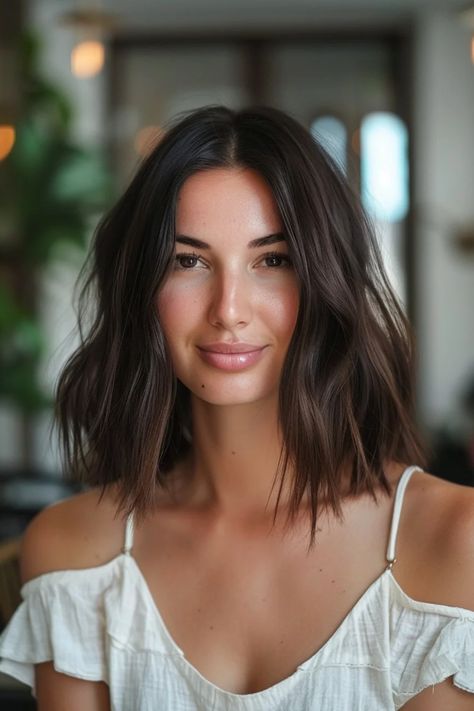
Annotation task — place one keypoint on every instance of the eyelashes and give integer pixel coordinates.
(183, 255)
(283, 260)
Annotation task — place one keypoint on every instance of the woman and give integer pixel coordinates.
(245, 335)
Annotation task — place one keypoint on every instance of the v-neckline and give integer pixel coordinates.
(179, 653)
(176, 649)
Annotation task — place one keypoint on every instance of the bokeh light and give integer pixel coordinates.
(87, 59)
(7, 140)
(384, 166)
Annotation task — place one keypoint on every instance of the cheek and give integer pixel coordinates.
(282, 310)
(176, 308)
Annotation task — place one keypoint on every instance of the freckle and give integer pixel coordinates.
(281, 641)
(199, 609)
(211, 627)
(233, 452)
(320, 570)
(333, 581)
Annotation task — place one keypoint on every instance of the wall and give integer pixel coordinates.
(444, 181)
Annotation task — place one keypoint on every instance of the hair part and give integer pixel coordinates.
(346, 395)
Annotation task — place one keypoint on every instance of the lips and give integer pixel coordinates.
(231, 356)
(237, 347)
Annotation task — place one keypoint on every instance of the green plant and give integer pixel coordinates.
(50, 189)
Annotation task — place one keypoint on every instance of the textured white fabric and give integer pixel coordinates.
(102, 623)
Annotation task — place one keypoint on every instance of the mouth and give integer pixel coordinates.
(231, 359)
(231, 348)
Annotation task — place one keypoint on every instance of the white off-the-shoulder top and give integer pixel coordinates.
(102, 623)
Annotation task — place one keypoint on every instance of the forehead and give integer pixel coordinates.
(230, 197)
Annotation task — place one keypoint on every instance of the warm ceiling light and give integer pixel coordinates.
(7, 140)
(87, 59)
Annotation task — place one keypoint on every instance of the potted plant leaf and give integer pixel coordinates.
(50, 191)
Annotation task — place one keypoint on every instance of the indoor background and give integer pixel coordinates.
(85, 88)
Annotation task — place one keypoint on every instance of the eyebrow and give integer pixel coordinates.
(253, 244)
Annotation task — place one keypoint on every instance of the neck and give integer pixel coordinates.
(234, 459)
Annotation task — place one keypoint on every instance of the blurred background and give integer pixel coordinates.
(85, 86)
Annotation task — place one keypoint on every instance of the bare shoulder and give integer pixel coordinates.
(455, 542)
(440, 537)
(452, 509)
(80, 531)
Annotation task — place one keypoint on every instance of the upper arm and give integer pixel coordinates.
(441, 697)
(60, 692)
(454, 558)
(46, 546)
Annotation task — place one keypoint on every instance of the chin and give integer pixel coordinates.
(229, 395)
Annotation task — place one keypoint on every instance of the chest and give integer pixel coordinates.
(248, 609)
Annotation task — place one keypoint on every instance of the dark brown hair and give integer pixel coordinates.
(346, 393)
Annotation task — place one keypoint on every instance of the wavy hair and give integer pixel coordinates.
(347, 386)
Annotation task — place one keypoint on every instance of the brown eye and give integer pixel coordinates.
(276, 259)
(186, 261)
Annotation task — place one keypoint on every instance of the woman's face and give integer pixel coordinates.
(232, 288)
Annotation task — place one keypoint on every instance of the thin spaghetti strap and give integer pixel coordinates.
(397, 509)
(129, 530)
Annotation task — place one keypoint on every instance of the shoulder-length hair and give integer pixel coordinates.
(346, 393)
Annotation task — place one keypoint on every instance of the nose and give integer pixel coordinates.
(230, 301)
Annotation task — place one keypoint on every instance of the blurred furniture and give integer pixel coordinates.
(16, 699)
(9, 579)
(14, 696)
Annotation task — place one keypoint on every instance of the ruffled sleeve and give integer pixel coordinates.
(57, 622)
(435, 655)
